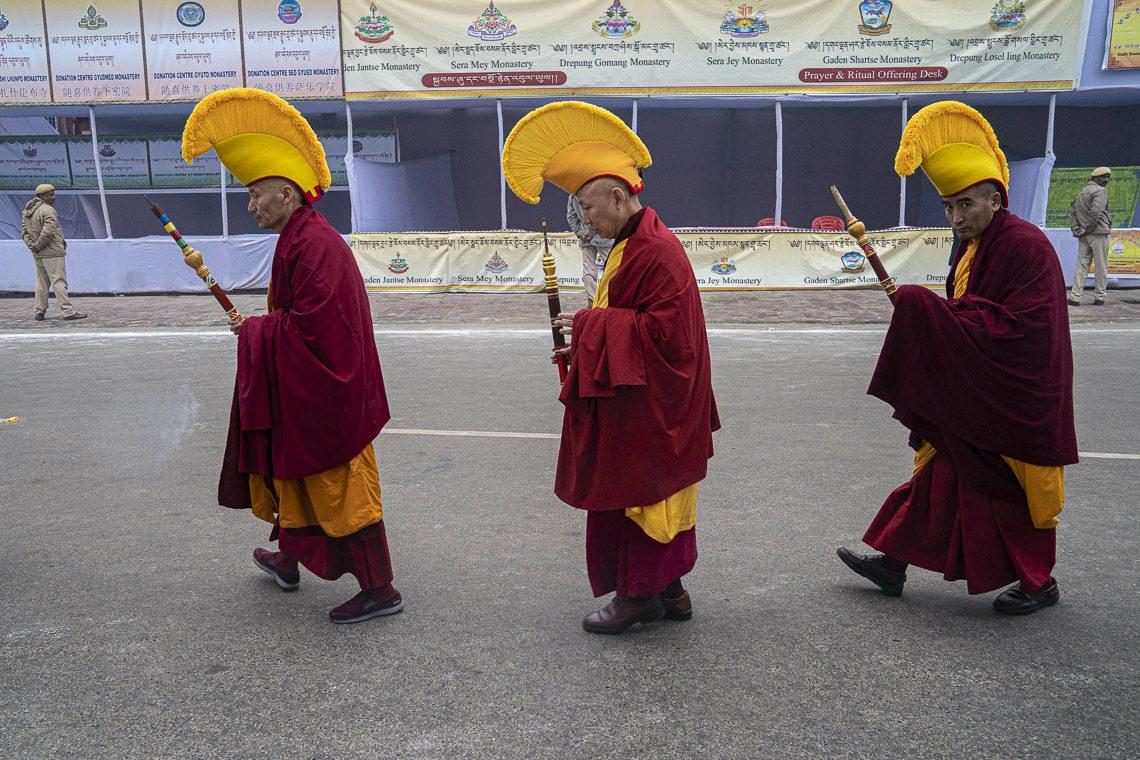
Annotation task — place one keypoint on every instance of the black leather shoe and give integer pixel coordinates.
(1074, 303)
(39, 316)
(870, 566)
(1017, 601)
(623, 613)
(1098, 302)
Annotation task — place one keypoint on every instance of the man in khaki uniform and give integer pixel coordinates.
(42, 234)
(1091, 225)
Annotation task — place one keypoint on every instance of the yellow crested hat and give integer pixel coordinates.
(257, 135)
(956, 148)
(568, 144)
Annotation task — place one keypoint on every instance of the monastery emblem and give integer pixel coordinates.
(92, 21)
(617, 22)
(190, 14)
(374, 28)
(744, 22)
(875, 14)
(289, 11)
(1007, 16)
(496, 264)
(724, 265)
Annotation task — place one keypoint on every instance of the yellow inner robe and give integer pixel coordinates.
(340, 500)
(677, 513)
(1044, 486)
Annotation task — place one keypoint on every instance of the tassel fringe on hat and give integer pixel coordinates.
(258, 135)
(955, 147)
(568, 144)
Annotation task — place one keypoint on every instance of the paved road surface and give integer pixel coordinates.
(135, 625)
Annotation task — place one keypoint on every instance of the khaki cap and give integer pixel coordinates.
(1101, 171)
(44, 188)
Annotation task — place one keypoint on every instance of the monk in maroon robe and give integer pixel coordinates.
(308, 402)
(639, 417)
(983, 379)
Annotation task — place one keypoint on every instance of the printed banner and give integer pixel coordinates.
(1124, 252)
(122, 161)
(1123, 35)
(193, 47)
(416, 48)
(292, 47)
(27, 161)
(367, 146)
(490, 262)
(23, 55)
(404, 263)
(1066, 183)
(96, 50)
(168, 169)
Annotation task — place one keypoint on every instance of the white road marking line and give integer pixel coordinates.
(32, 336)
(469, 433)
(1100, 455)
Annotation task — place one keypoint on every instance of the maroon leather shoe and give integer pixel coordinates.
(283, 569)
(364, 606)
(622, 613)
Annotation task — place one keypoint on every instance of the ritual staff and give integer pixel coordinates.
(309, 397)
(983, 379)
(639, 408)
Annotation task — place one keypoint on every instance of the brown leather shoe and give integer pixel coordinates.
(679, 608)
(622, 613)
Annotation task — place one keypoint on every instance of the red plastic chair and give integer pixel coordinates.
(770, 221)
(829, 223)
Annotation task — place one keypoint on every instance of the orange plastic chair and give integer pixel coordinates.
(770, 221)
(828, 223)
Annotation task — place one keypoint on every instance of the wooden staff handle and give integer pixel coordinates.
(553, 301)
(858, 230)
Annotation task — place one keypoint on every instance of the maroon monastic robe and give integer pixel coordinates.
(640, 411)
(981, 376)
(309, 393)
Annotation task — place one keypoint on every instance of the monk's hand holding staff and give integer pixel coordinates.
(858, 230)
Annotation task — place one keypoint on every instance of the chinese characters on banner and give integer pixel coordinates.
(23, 54)
(192, 48)
(292, 47)
(129, 51)
(95, 49)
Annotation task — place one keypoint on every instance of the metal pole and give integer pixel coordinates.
(778, 221)
(634, 125)
(1052, 118)
(502, 174)
(99, 170)
(902, 180)
(348, 157)
(225, 204)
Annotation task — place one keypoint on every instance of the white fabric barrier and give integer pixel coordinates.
(503, 262)
(145, 265)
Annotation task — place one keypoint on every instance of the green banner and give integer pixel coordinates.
(1066, 183)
